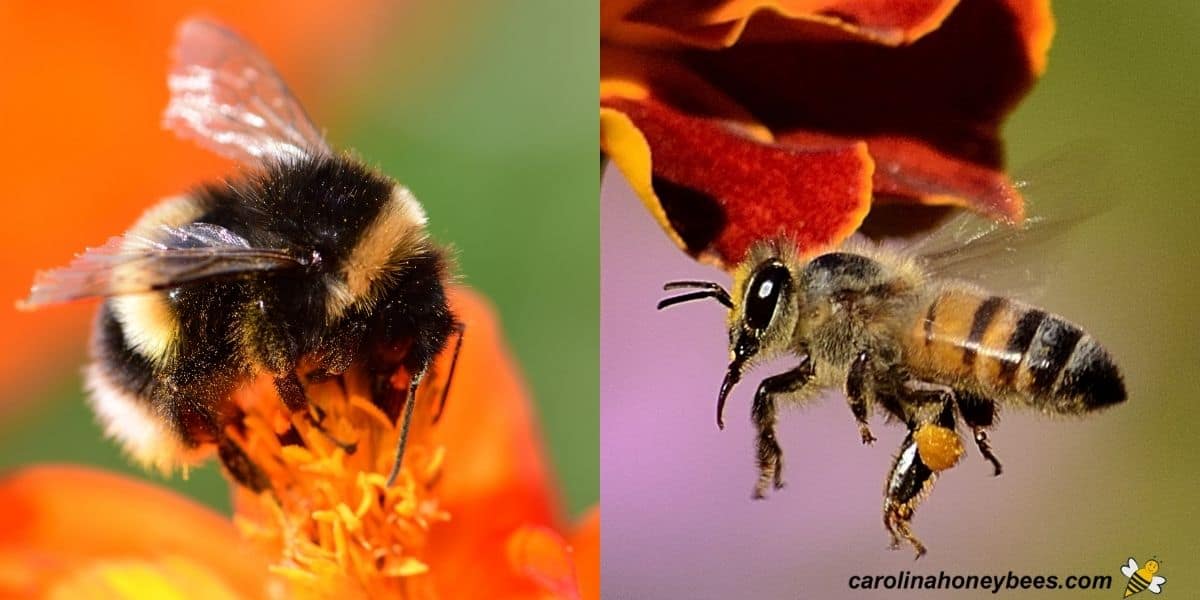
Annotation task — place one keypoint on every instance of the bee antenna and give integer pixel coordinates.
(707, 289)
(673, 300)
(402, 440)
(708, 285)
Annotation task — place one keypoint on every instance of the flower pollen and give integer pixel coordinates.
(329, 516)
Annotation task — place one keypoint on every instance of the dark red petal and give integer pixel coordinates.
(717, 190)
(720, 24)
(909, 170)
(949, 90)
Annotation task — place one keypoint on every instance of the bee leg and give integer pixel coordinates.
(459, 329)
(240, 466)
(770, 455)
(337, 353)
(985, 448)
(188, 401)
(292, 393)
(909, 482)
(856, 395)
(979, 413)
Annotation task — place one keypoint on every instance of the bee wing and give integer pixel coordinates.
(1021, 258)
(1014, 258)
(166, 257)
(1129, 569)
(226, 96)
(1156, 584)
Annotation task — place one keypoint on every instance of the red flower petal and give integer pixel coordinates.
(716, 190)
(722, 24)
(948, 92)
(720, 144)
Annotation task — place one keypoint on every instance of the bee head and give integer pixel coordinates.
(762, 310)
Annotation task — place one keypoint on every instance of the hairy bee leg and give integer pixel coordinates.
(292, 393)
(239, 466)
(856, 395)
(909, 482)
(911, 479)
(985, 448)
(979, 413)
(770, 455)
(316, 422)
(337, 353)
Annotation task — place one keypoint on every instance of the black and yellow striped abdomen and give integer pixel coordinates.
(1009, 348)
(1137, 583)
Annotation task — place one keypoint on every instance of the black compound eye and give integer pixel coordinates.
(763, 294)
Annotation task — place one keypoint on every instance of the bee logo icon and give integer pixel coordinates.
(1143, 578)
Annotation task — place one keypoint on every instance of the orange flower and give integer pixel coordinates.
(745, 119)
(472, 514)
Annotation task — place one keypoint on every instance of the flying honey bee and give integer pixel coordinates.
(308, 257)
(904, 330)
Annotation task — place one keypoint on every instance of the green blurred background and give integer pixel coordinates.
(1123, 91)
(486, 110)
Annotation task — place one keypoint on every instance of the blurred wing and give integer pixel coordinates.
(226, 96)
(1156, 584)
(1129, 569)
(1021, 258)
(1001, 257)
(172, 256)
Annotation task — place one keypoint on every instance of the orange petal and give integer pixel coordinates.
(716, 190)
(166, 578)
(494, 480)
(56, 521)
(543, 556)
(585, 542)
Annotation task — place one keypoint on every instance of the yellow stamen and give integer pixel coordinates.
(329, 515)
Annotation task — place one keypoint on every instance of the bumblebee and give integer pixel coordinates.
(307, 257)
(903, 330)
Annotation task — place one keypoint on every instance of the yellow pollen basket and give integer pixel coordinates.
(940, 448)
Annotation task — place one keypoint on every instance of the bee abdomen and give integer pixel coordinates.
(1008, 347)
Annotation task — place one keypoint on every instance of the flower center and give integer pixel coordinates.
(329, 516)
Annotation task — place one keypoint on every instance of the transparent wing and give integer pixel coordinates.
(165, 258)
(1129, 569)
(1014, 258)
(226, 96)
(1062, 193)
(1156, 584)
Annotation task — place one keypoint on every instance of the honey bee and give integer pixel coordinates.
(902, 329)
(307, 257)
